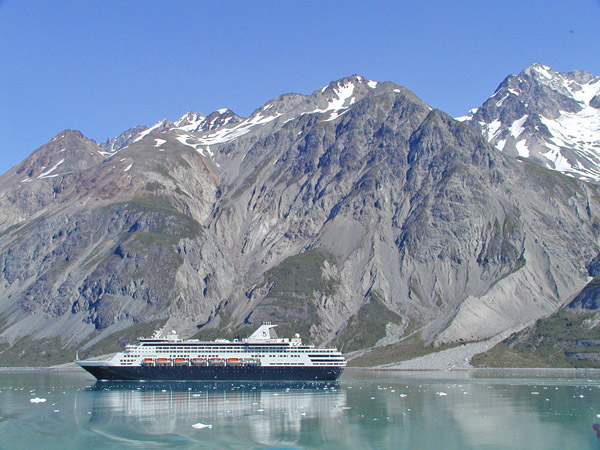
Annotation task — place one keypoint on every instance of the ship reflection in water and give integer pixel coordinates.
(364, 410)
(233, 413)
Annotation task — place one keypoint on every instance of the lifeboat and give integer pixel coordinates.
(234, 362)
(198, 361)
(148, 362)
(163, 362)
(216, 362)
(180, 362)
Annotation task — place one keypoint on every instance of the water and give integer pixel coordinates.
(364, 410)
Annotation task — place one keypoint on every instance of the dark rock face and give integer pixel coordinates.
(355, 208)
(588, 298)
(123, 140)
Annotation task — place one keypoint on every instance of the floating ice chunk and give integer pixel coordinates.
(441, 394)
(535, 393)
(37, 400)
(403, 395)
(200, 426)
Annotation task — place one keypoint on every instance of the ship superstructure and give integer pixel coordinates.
(262, 356)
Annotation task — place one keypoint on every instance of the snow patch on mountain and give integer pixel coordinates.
(517, 127)
(492, 129)
(154, 127)
(338, 104)
(189, 122)
(47, 173)
(202, 132)
(522, 148)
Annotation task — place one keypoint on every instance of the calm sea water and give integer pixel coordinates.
(364, 410)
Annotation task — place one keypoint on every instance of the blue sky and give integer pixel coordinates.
(104, 66)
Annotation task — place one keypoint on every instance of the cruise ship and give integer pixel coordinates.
(261, 357)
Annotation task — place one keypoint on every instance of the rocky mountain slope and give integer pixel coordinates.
(551, 118)
(356, 215)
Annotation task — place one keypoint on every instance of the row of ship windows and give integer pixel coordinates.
(257, 355)
(283, 364)
(181, 355)
(244, 350)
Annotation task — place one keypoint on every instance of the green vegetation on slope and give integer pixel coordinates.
(301, 274)
(409, 348)
(564, 339)
(153, 236)
(290, 302)
(367, 326)
(32, 352)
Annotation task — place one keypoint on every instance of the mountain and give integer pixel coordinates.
(189, 122)
(551, 118)
(357, 215)
(32, 185)
(569, 337)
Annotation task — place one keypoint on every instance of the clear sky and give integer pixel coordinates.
(104, 66)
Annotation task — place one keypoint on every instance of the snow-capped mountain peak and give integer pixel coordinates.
(158, 127)
(189, 121)
(223, 125)
(552, 118)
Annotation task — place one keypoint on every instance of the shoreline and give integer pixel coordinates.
(454, 359)
(71, 367)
